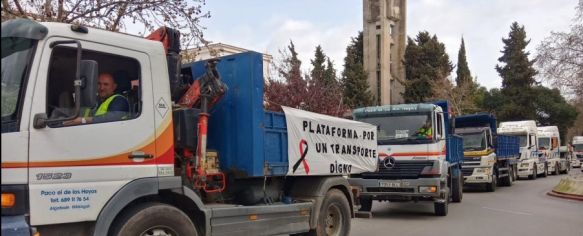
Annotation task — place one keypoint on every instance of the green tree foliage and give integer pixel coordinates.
(426, 63)
(553, 109)
(491, 101)
(330, 73)
(463, 75)
(354, 77)
(290, 89)
(517, 74)
(465, 96)
(324, 90)
(319, 91)
(318, 65)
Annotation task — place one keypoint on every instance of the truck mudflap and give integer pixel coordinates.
(15, 225)
(384, 189)
(261, 220)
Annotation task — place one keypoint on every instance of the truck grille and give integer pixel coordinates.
(401, 170)
(467, 171)
(390, 190)
(474, 163)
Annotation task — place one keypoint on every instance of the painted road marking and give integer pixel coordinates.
(507, 211)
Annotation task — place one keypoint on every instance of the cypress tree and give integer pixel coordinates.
(354, 78)
(463, 75)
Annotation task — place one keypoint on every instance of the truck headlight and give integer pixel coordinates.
(524, 165)
(483, 170)
(427, 189)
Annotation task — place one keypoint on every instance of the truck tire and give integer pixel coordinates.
(534, 173)
(334, 217)
(154, 219)
(441, 208)
(546, 172)
(557, 168)
(507, 180)
(491, 187)
(365, 203)
(457, 189)
(514, 173)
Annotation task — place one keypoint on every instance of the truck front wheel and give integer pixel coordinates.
(534, 172)
(154, 219)
(457, 189)
(441, 208)
(334, 217)
(491, 187)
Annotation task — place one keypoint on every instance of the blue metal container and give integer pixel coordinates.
(507, 147)
(250, 141)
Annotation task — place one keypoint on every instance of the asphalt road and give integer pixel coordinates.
(522, 209)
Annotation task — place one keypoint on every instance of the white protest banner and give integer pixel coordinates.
(326, 145)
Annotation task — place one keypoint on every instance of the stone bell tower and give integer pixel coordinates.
(384, 38)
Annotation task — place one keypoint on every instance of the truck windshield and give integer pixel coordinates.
(578, 147)
(401, 128)
(474, 141)
(16, 55)
(544, 143)
(523, 140)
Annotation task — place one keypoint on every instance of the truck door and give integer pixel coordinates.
(74, 170)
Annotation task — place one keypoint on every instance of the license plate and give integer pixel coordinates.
(390, 184)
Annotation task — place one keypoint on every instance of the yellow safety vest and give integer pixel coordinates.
(102, 109)
(427, 132)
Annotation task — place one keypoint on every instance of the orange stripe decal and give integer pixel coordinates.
(162, 146)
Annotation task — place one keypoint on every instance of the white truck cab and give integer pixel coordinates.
(577, 143)
(531, 162)
(549, 140)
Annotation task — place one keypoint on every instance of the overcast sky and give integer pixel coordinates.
(267, 26)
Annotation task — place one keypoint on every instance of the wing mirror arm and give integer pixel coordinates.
(85, 73)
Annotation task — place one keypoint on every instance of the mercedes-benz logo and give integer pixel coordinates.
(389, 162)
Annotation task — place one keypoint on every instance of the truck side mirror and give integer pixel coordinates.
(89, 70)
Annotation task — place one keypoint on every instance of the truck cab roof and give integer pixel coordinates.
(55, 29)
(526, 126)
(392, 109)
(476, 120)
(547, 131)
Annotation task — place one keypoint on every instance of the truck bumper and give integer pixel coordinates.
(409, 189)
(524, 171)
(15, 225)
(477, 179)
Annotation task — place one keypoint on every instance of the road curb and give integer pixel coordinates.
(565, 195)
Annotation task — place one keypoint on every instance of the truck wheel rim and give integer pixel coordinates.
(159, 230)
(333, 221)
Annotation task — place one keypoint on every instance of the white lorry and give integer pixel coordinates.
(149, 172)
(531, 163)
(577, 145)
(413, 165)
(549, 141)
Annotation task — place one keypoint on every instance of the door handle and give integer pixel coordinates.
(140, 154)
